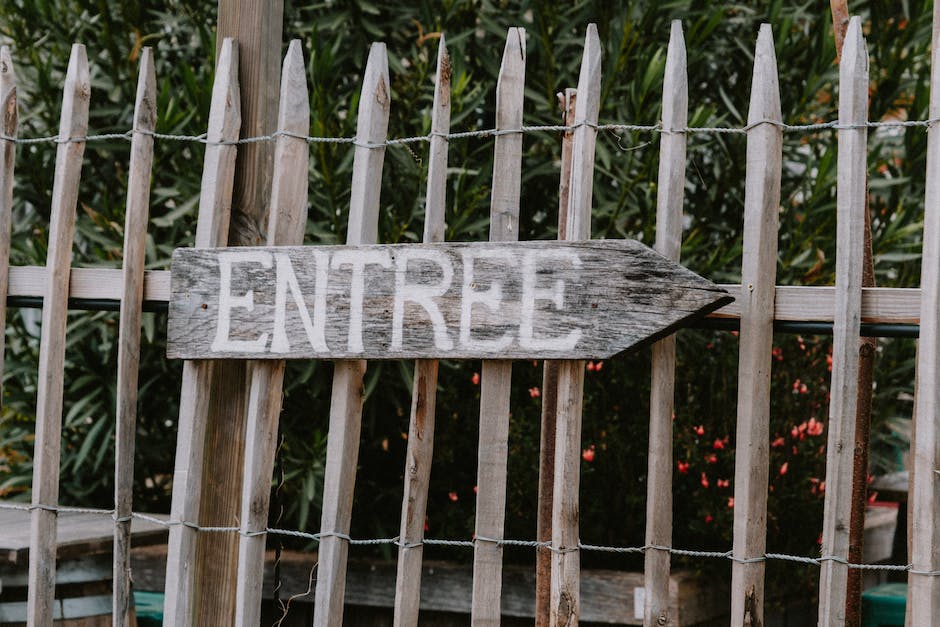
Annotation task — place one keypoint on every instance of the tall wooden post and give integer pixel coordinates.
(256, 25)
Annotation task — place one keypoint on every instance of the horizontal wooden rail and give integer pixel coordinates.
(794, 303)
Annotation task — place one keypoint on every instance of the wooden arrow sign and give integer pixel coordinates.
(531, 300)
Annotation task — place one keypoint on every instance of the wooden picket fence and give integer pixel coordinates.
(759, 303)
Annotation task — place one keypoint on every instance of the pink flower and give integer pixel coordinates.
(784, 467)
(778, 442)
(777, 353)
(704, 480)
(699, 430)
(682, 466)
(534, 392)
(588, 454)
(452, 496)
(730, 501)
(723, 483)
(718, 445)
(475, 378)
(590, 366)
(814, 427)
(711, 459)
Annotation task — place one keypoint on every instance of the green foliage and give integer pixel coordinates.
(719, 37)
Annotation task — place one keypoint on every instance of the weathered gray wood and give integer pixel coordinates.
(135, 242)
(758, 273)
(670, 192)
(924, 590)
(851, 193)
(543, 555)
(558, 300)
(342, 451)
(211, 230)
(566, 561)
(287, 219)
(424, 388)
(73, 125)
(496, 377)
(8, 128)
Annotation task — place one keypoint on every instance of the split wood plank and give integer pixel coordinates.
(758, 273)
(286, 223)
(543, 555)
(73, 126)
(496, 376)
(342, 452)
(212, 227)
(257, 27)
(924, 589)
(424, 387)
(850, 235)
(135, 246)
(670, 192)
(8, 127)
(566, 562)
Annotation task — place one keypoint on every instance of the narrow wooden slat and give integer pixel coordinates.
(924, 590)
(211, 230)
(850, 233)
(543, 556)
(45, 491)
(496, 376)
(424, 389)
(756, 298)
(287, 219)
(670, 192)
(566, 562)
(135, 242)
(342, 453)
(8, 128)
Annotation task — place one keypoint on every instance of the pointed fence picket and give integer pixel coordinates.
(670, 192)
(495, 376)
(760, 303)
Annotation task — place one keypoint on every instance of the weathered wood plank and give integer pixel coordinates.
(45, 489)
(135, 246)
(287, 219)
(549, 414)
(537, 303)
(211, 230)
(924, 590)
(853, 110)
(8, 127)
(424, 388)
(342, 451)
(670, 192)
(496, 377)
(566, 562)
(758, 273)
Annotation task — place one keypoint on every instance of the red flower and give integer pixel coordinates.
(682, 466)
(777, 353)
(708, 518)
(598, 366)
(475, 378)
(814, 427)
(704, 480)
(474, 489)
(730, 501)
(711, 459)
(778, 442)
(534, 392)
(723, 483)
(699, 430)
(718, 445)
(588, 454)
(452, 496)
(784, 467)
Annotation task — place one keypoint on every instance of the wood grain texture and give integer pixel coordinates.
(73, 124)
(566, 561)
(342, 452)
(496, 377)
(135, 246)
(549, 415)
(286, 222)
(758, 273)
(923, 590)
(850, 207)
(424, 387)
(572, 300)
(670, 192)
(8, 128)
(211, 230)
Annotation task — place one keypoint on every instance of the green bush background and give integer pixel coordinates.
(336, 35)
